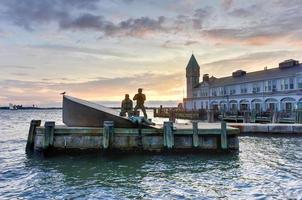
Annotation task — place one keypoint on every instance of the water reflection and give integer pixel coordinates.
(264, 168)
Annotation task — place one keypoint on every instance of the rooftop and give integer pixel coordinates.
(266, 74)
(193, 62)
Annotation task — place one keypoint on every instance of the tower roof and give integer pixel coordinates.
(192, 62)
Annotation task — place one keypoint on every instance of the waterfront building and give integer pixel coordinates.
(275, 89)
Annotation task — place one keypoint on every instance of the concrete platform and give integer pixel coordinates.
(201, 137)
(255, 128)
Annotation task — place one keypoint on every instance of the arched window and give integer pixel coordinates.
(223, 105)
(288, 104)
(271, 104)
(244, 105)
(233, 105)
(257, 104)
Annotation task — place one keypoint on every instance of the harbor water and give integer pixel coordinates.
(264, 168)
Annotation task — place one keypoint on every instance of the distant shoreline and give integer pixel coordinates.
(31, 108)
(60, 108)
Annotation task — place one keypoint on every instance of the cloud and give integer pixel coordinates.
(16, 67)
(86, 50)
(139, 27)
(249, 62)
(227, 4)
(199, 17)
(164, 86)
(31, 14)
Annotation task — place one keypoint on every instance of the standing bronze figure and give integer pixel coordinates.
(140, 100)
(127, 106)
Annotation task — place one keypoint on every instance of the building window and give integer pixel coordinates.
(232, 90)
(287, 84)
(256, 88)
(288, 107)
(271, 106)
(268, 86)
(258, 107)
(274, 85)
(291, 83)
(299, 82)
(243, 89)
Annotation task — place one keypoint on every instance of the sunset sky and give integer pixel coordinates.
(101, 49)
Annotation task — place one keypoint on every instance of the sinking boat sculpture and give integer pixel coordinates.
(81, 113)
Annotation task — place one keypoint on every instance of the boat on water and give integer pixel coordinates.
(12, 106)
(82, 113)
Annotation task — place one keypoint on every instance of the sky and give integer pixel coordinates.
(101, 49)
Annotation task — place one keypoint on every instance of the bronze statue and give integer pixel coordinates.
(127, 106)
(140, 100)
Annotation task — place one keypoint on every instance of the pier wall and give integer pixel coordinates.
(151, 140)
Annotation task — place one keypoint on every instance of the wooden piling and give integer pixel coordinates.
(172, 116)
(210, 116)
(107, 133)
(168, 135)
(253, 116)
(195, 134)
(299, 116)
(31, 134)
(224, 142)
(246, 117)
(275, 117)
(48, 135)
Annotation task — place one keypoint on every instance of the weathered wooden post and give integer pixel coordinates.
(253, 116)
(195, 134)
(246, 117)
(154, 112)
(210, 116)
(172, 116)
(168, 135)
(32, 134)
(48, 135)
(108, 129)
(299, 116)
(224, 142)
(275, 117)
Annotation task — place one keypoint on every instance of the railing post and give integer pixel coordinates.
(210, 116)
(48, 135)
(168, 135)
(32, 134)
(108, 129)
(299, 116)
(195, 134)
(224, 142)
(172, 116)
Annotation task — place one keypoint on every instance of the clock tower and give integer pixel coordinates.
(192, 75)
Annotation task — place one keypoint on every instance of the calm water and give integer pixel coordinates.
(265, 168)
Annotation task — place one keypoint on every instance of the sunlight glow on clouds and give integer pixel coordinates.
(102, 49)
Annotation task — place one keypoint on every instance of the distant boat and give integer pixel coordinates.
(81, 113)
(12, 107)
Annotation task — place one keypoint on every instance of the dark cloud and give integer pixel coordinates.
(130, 27)
(194, 21)
(261, 32)
(85, 22)
(227, 4)
(191, 42)
(241, 12)
(199, 17)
